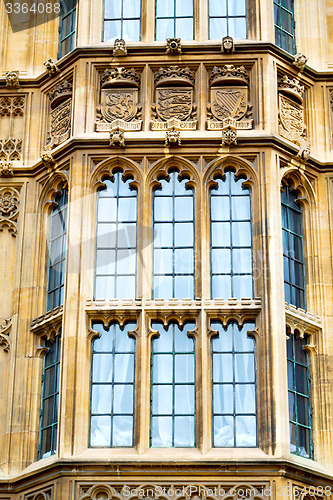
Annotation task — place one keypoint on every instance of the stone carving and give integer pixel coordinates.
(227, 44)
(11, 149)
(40, 495)
(229, 98)
(229, 136)
(174, 107)
(60, 116)
(291, 111)
(172, 137)
(331, 99)
(12, 80)
(9, 209)
(119, 102)
(300, 61)
(117, 137)
(6, 168)
(12, 105)
(47, 157)
(304, 152)
(173, 46)
(51, 67)
(119, 48)
(4, 334)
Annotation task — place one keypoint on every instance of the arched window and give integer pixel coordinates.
(174, 18)
(233, 386)
(57, 251)
(115, 272)
(173, 387)
(227, 17)
(122, 19)
(299, 397)
(293, 258)
(112, 386)
(284, 24)
(173, 219)
(231, 239)
(50, 400)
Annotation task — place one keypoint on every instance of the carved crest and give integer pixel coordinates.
(61, 122)
(229, 98)
(291, 120)
(174, 107)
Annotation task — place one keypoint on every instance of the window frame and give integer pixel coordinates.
(174, 18)
(227, 18)
(121, 20)
(279, 28)
(72, 13)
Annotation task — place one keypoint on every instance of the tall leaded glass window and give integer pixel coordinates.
(122, 19)
(173, 218)
(67, 27)
(57, 252)
(299, 397)
(293, 259)
(112, 386)
(231, 239)
(173, 387)
(284, 24)
(227, 17)
(174, 18)
(234, 386)
(116, 240)
(50, 400)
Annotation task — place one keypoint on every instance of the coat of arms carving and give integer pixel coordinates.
(174, 107)
(61, 108)
(291, 111)
(229, 98)
(119, 100)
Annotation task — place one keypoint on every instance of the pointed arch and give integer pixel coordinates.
(242, 169)
(299, 183)
(51, 190)
(161, 169)
(107, 168)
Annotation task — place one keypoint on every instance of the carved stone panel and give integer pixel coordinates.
(174, 100)
(9, 209)
(12, 111)
(119, 100)
(291, 110)
(229, 98)
(60, 115)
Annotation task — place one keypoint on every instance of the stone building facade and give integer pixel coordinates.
(166, 193)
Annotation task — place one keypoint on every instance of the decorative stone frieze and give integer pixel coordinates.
(298, 319)
(300, 61)
(119, 48)
(11, 149)
(12, 80)
(5, 328)
(12, 110)
(119, 100)
(172, 137)
(291, 111)
(60, 116)
(51, 67)
(6, 168)
(12, 106)
(229, 98)
(227, 45)
(173, 46)
(174, 95)
(9, 209)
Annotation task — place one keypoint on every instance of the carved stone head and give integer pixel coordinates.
(119, 47)
(227, 44)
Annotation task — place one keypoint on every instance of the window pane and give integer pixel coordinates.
(221, 234)
(184, 431)
(184, 399)
(237, 27)
(241, 234)
(245, 398)
(217, 28)
(165, 28)
(162, 399)
(164, 235)
(184, 234)
(240, 206)
(184, 28)
(131, 8)
(242, 261)
(105, 262)
(161, 431)
(163, 368)
(112, 9)
(221, 287)
(163, 208)
(220, 208)
(217, 8)
(101, 398)
(184, 8)
(221, 260)
(122, 431)
(236, 7)
(165, 8)
(100, 431)
(123, 399)
(223, 431)
(131, 30)
(222, 368)
(223, 398)
(184, 368)
(112, 30)
(246, 434)
(163, 287)
(244, 368)
(184, 261)
(242, 286)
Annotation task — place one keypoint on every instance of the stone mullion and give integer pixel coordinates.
(142, 387)
(204, 391)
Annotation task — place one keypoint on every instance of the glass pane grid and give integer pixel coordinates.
(49, 406)
(174, 257)
(173, 398)
(170, 23)
(112, 398)
(227, 18)
(122, 19)
(231, 240)
(68, 15)
(284, 25)
(234, 425)
(299, 403)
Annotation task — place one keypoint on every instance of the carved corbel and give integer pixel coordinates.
(12, 80)
(119, 48)
(227, 45)
(229, 136)
(47, 158)
(304, 153)
(172, 137)
(173, 46)
(51, 67)
(117, 137)
(4, 334)
(300, 61)
(6, 168)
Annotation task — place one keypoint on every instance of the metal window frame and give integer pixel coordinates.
(227, 18)
(230, 221)
(282, 29)
(173, 384)
(72, 14)
(59, 211)
(122, 18)
(296, 393)
(112, 414)
(174, 18)
(293, 208)
(173, 176)
(117, 179)
(54, 425)
(233, 352)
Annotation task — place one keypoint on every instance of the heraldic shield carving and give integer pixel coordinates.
(119, 100)
(174, 107)
(61, 107)
(229, 98)
(291, 111)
